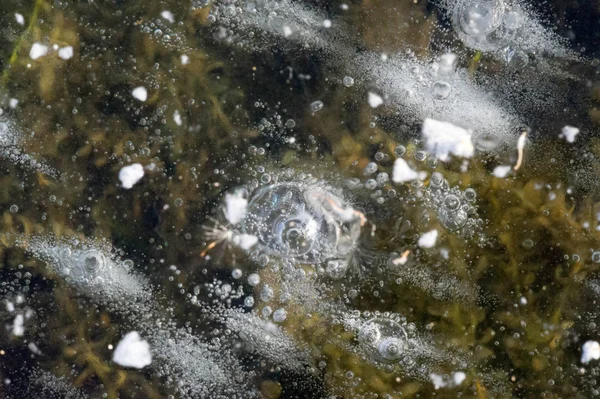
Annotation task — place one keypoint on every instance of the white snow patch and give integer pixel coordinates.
(375, 100)
(287, 31)
(185, 59)
(569, 133)
(66, 52)
(13, 102)
(140, 93)
(132, 351)
(38, 50)
(327, 23)
(168, 15)
(177, 118)
(245, 241)
(20, 19)
(444, 138)
(235, 208)
(129, 175)
(451, 381)
(590, 351)
(403, 173)
(18, 329)
(428, 240)
(501, 171)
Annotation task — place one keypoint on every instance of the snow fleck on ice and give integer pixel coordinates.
(501, 171)
(569, 133)
(235, 208)
(20, 19)
(451, 381)
(38, 50)
(287, 31)
(403, 173)
(428, 240)
(590, 351)
(177, 118)
(245, 241)
(132, 351)
(168, 15)
(66, 52)
(13, 103)
(444, 138)
(18, 329)
(140, 93)
(129, 175)
(375, 100)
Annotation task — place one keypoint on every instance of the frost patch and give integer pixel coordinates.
(132, 351)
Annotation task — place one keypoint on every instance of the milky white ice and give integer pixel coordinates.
(444, 138)
(501, 171)
(66, 52)
(132, 351)
(375, 100)
(590, 351)
(129, 175)
(38, 50)
(235, 208)
(428, 240)
(569, 133)
(403, 172)
(140, 93)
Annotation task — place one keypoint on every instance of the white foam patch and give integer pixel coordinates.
(130, 175)
(132, 351)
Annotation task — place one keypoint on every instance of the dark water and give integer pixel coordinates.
(299, 199)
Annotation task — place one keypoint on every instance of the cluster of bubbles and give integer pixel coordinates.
(485, 25)
(456, 209)
(301, 221)
(383, 339)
